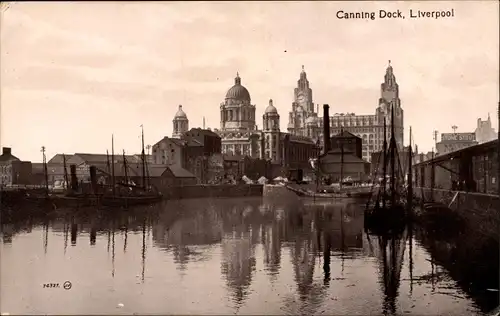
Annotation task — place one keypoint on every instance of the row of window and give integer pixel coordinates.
(237, 114)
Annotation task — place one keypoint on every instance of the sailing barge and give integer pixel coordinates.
(117, 195)
(388, 211)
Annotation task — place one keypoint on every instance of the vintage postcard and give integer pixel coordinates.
(249, 157)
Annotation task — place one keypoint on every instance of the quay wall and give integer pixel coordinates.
(478, 209)
(211, 191)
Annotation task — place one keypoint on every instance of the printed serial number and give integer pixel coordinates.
(50, 285)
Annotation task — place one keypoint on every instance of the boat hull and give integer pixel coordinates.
(315, 195)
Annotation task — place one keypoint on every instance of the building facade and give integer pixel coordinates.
(210, 141)
(169, 151)
(180, 123)
(304, 121)
(12, 170)
(484, 131)
(455, 141)
(240, 136)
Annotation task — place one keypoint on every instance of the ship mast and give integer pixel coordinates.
(410, 173)
(384, 168)
(125, 167)
(392, 148)
(341, 157)
(143, 160)
(45, 171)
(66, 179)
(113, 163)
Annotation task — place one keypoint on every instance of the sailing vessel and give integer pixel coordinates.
(100, 195)
(387, 212)
(135, 195)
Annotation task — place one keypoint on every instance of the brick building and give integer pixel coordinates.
(344, 159)
(12, 170)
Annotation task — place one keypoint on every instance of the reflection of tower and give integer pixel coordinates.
(191, 228)
(238, 249)
(238, 262)
(180, 122)
(303, 257)
(272, 248)
(303, 260)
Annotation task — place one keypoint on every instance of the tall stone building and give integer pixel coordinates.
(240, 135)
(304, 121)
(180, 123)
(484, 131)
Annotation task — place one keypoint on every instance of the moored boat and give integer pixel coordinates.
(316, 195)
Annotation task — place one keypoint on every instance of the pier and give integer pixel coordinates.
(465, 181)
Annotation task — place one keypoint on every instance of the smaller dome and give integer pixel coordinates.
(180, 113)
(270, 108)
(311, 120)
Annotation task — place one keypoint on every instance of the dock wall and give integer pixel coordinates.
(212, 191)
(478, 209)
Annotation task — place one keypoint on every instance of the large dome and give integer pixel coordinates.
(238, 92)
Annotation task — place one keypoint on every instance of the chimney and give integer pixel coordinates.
(326, 128)
(6, 151)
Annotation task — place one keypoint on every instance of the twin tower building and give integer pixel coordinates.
(240, 135)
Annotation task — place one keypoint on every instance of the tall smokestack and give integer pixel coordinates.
(326, 128)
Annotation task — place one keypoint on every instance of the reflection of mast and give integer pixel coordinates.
(392, 260)
(342, 239)
(45, 237)
(93, 233)
(143, 249)
(109, 241)
(113, 250)
(65, 236)
(74, 232)
(410, 237)
(326, 257)
(125, 237)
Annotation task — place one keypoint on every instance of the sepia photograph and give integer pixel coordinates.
(250, 158)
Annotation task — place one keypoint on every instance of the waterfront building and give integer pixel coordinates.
(169, 151)
(304, 121)
(180, 123)
(241, 136)
(344, 159)
(13, 170)
(455, 141)
(210, 141)
(484, 131)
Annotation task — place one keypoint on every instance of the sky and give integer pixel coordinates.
(73, 73)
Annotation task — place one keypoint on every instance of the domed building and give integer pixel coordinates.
(240, 136)
(180, 123)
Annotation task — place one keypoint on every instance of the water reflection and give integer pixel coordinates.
(255, 255)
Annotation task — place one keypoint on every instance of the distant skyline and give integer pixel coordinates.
(73, 73)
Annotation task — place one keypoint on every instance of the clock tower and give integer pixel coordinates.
(303, 94)
(302, 107)
(389, 100)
